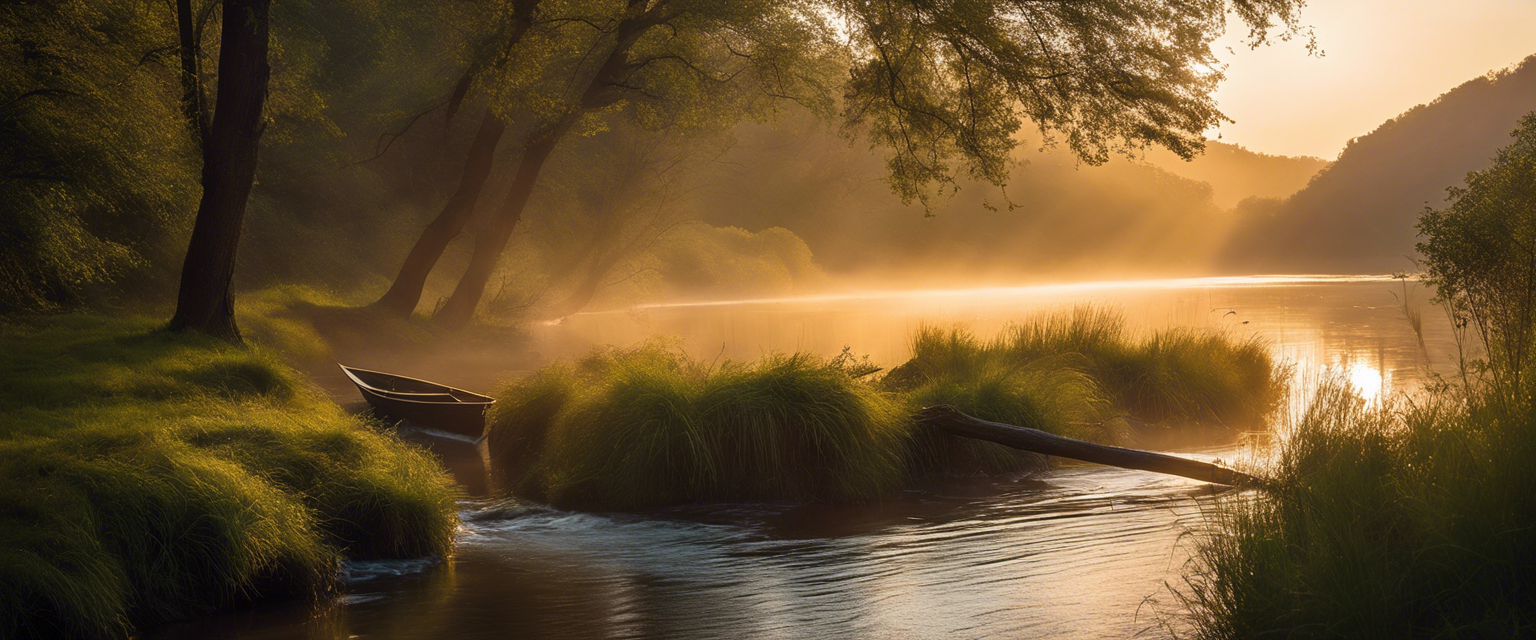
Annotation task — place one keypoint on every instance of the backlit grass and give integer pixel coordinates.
(643, 427)
(1407, 520)
(147, 477)
(1176, 378)
(648, 426)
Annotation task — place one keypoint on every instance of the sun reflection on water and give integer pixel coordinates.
(1367, 380)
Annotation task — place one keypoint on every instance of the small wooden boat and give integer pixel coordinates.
(421, 403)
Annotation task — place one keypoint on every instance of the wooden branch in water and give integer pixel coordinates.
(950, 420)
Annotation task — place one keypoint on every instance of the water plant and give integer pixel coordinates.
(1392, 521)
(632, 428)
(1178, 376)
(1415, 517)
(647, 426)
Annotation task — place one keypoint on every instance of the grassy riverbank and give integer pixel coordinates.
(649, 426)
(148, 476)
(1410, 520)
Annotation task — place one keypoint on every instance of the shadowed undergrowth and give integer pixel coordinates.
(147, 476)
(648, 426)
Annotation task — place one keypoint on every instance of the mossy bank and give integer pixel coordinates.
(148, 476)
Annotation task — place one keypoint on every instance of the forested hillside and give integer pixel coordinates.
(1358, 215)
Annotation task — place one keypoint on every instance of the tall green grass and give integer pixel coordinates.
(1171, 378)
(147, 477)
(643, 427)
(1407, 520)
(648, 426)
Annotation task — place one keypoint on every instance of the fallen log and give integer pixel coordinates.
(950, 420)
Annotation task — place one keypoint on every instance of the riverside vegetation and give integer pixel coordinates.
(1415, 517)
(642, 427)
(148, 476)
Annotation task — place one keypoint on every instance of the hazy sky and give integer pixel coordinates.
(1382, 57)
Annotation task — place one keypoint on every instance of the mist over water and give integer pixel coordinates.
(1074, 552)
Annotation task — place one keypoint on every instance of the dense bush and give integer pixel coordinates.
(98, 169)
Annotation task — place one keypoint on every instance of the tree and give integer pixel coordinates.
(944, 86)
(1480, 254)
(205, 302)
(665, 63)
(189, 38)
(405, 291)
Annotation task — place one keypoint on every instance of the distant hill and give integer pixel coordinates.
(1236, 173)
(1358, 214)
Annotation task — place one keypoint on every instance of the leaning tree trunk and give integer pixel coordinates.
(405, 292)
(194, 104)
(599, 93)
(461, 304)
(950, 420)
(205, 303)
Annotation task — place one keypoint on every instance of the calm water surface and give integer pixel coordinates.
(1075, 552)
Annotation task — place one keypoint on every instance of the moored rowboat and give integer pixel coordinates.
(421, 403)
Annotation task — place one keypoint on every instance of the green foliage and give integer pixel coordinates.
(1406, 521)
(1480, 254)
(628, 429)
(947, 86)
(646, 426)
(148, 476)
(97, 167)
(1385, 522)
(1178, 376)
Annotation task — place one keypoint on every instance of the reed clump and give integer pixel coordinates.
(646, 426)
(633, 428)
(1387, 521)
(1178, 377)
(148, 477)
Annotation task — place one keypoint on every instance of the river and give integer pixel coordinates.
(1074, 552)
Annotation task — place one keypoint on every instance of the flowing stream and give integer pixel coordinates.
(1074, 552)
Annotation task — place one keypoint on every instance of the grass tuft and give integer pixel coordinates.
(1391, 521)
(148, 477)
(623, 429)
(643, 427)
(1178, 377)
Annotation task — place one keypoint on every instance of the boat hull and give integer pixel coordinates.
(422, 404)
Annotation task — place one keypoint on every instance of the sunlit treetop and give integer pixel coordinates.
(943, 86)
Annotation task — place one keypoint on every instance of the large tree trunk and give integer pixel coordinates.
(194, 104)
(405, 292)
(599, 93)
(205, 302)
(950, 420)
(489, 244)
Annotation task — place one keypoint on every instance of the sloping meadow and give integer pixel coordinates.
(648, 426)
(147, 477)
